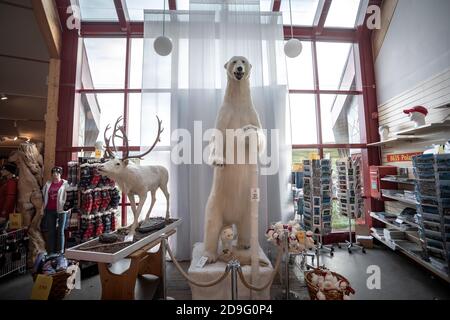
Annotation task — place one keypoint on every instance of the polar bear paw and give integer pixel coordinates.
(212, 257)
(250, 127)
(217, 162)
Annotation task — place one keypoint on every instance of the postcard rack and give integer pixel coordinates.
(350, 201)
(317, 184)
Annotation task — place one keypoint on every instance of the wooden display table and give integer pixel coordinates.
(121, 286)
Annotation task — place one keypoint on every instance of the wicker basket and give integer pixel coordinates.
(329, 294)
(59, 288)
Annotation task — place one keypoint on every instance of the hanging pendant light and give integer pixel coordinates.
(293, 47)
(162, 44)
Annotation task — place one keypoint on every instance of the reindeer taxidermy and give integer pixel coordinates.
(132, 178)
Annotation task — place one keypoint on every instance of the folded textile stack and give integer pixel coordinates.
(432, 174)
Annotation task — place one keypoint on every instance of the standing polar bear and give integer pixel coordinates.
(229, 200)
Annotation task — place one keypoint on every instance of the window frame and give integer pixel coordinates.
(124, 28)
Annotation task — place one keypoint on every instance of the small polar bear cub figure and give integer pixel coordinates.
(227, 237)
(229, 201)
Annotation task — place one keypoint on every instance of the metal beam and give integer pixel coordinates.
(276, 5)
(328, 34)
(111, 29)
(343, 92)
(136, 29)
(323, 17)
(172, 4)
(122, 14)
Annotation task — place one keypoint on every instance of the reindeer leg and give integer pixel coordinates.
(132, 203)
(142, 198)
(153, 194)
(166, 194)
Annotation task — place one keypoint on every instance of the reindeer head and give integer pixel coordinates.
(115, 166)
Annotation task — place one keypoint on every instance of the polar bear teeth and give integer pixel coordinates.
(239, 75)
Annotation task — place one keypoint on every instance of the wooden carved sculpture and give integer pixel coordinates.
(29, 200)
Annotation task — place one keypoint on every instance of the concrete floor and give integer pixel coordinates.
(401, 279)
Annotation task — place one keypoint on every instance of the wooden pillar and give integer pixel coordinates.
(51, 116)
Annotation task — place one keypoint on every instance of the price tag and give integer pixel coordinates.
(301, 236)
(129, 238)
(399, 221)
(15, 221)
(254, 194)
(41, 287)
(202, 261)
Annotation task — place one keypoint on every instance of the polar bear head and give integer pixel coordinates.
(238, 68)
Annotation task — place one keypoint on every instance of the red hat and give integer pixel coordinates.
(420, 109)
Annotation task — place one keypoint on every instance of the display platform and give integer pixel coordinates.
(120, 250)
(222, 290)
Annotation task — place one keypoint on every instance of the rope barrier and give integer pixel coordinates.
(225, 274)
(198, 284)
(274, 272)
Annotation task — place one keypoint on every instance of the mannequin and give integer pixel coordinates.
(8, 190)
(55, 218)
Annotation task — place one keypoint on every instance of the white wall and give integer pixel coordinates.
(416, 47)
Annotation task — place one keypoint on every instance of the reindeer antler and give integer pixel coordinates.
(124, 137)
(108, 150)
(140, 156)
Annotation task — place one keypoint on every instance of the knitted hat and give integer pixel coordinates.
(420, 109)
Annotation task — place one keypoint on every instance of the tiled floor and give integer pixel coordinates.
(400, 279)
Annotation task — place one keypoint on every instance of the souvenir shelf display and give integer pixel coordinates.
(93, 200)
(317, 184)
(350, 201)
(432, 173)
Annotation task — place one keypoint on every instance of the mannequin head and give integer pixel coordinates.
(417, 115)
(56, 174)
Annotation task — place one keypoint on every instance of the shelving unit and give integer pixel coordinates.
(407, 181)
(405, 228)
(94, 200)
(401, 199)
(434, 207)
(392, 141)
(427, 129)
(376, 235)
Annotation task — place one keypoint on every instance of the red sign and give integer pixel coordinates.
(402, 157)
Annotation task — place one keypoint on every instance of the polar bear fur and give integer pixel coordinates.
(229, 200)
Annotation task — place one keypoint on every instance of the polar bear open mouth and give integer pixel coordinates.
(239, 75)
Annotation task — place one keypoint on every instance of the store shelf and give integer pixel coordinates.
(392, 141)
(408, 181)
(405, 228)
(427, 265)
(401, 199)
(427, 129)
(375, 234)
(412, 251)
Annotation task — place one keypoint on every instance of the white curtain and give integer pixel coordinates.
(188, 86)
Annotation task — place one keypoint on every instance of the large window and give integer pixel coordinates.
(324, 87)
(325, 103)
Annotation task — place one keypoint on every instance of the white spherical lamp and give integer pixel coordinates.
(293, 48)
(162, 45)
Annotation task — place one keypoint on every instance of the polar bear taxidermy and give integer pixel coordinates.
(229, 201)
